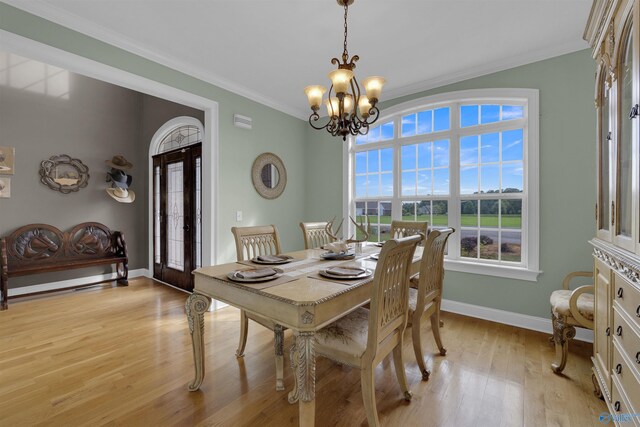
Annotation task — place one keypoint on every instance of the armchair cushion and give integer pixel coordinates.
(560, 303)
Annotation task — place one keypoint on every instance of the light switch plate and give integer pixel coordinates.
(238, 216)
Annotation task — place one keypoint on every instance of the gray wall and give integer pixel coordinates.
(46, 111)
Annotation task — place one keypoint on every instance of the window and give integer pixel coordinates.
(467, 160)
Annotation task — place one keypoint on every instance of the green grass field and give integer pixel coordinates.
(508, 221)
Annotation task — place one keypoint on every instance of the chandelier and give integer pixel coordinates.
(348, 111)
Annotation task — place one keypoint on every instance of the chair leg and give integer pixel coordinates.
(244, 326)
(435, 328)
(367, 381)
(562, 333)
(400, 372)
(417, 346)
(278, 333)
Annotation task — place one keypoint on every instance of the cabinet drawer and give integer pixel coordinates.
(627, 295)
(628, 338)
(626, 378)
(621, 413)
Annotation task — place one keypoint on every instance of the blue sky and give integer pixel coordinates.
(484, 158)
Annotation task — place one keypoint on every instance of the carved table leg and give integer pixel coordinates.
(303, 361)
(196, 306)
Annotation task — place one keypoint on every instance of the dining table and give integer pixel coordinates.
(300, 299)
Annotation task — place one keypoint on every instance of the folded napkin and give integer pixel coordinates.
(256, 273)
(346, 271)
(273, 258)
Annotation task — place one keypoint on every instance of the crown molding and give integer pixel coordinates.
(494, 67)
(76, 23)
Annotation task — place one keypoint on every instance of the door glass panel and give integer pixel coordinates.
(175, 216)
(603, 203)
(157, 233)
(625, 140)
(198, 220)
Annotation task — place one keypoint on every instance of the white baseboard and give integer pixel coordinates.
(510, 318)
(52, 286)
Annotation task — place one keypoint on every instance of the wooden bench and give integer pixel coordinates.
(42, 248)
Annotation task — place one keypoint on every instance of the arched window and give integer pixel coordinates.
(467, 160)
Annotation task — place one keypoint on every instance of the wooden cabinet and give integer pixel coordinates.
(613, 31)
(602, 327)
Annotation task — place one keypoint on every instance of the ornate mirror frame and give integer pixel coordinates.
(75, 174)
(259, 163)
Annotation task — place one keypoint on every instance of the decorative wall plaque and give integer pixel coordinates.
(5, 187)
(64, 174)
(7, 155)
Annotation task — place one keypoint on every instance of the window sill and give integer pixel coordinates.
(492, 270)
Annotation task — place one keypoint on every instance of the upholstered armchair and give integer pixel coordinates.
(570, 308)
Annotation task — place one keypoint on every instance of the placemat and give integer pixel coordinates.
(347, 282)
(259, 285)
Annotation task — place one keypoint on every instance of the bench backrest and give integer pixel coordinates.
(40, 243)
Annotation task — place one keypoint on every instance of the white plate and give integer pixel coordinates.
(283, 261)
(232, 276)
(327, 273)
(334, 256)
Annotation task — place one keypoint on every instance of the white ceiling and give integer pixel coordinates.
(269, 50)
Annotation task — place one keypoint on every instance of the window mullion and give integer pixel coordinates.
(454, 183)
(396, 204)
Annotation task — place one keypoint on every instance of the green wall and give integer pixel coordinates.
(314, 161)
(567, 180)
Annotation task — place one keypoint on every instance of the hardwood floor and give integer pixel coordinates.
(122, 356)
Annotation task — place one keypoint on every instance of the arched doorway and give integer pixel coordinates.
(176, 153)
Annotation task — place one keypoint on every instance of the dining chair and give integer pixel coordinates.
(425, 293)
(250, 243)
(362, 338)
(570, 308)
(315, 234)
(408, 228)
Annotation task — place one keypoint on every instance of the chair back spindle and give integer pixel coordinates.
(432, 265)
(255, 241)
(390, 295)
(401, 229)
(315, 234)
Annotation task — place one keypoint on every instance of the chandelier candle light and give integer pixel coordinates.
(348, 111)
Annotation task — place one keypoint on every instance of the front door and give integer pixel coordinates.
(177, 214)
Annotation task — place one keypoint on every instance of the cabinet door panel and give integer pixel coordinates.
(604, 156)
(624, 214)
(602, 330)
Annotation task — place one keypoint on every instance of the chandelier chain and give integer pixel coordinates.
(345, 54)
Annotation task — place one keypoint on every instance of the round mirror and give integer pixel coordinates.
(269, 175)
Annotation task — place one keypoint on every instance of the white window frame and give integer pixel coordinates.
(529, 267)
